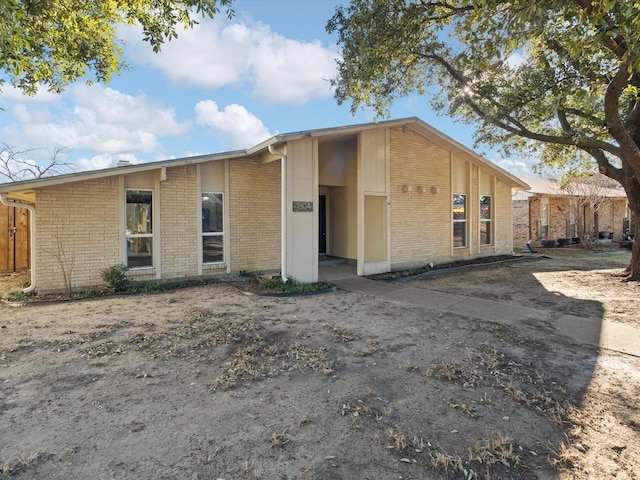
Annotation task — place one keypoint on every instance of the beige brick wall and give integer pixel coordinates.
(420, 221)
(503, 219)
(179, 219)
(77, 233)
(78, 226)
(473, 221)
(254, 203)
(421, 228)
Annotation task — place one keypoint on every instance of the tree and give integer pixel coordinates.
(17, 165)
(586, 194)
(549, 77)
(54, 43)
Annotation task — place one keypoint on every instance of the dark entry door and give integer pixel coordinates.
(322, 230)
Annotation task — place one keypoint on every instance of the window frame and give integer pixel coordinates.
(458, 221)
(129, 237)
(544, 220)
(488, 222)
(220, 234)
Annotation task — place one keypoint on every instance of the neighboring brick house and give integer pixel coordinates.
(383, 196)
(542, 212)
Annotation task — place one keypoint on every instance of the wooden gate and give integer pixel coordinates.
(14, 239)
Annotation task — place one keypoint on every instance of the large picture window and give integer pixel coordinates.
(486, 212)
(212, 228)
(139, 228)
(459, 220)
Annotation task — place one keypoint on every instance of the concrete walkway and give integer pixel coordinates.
(614, 336)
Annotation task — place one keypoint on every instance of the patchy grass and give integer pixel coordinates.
(291, 286)
(18, 465)
(258, 359)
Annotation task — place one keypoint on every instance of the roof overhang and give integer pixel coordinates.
(25, 190)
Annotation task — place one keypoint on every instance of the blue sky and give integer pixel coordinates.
(226, 85)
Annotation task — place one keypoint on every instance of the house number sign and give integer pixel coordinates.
(303, 206)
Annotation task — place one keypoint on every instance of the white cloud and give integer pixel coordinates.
(105, 161)
(219, 53)
(12, 94)
(515, 166)
(96, 119)
(239, 127)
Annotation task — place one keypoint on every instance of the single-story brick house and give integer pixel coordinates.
(384, 196)
(542, 211)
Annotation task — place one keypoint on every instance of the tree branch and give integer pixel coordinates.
(513, 125)
(17, 165)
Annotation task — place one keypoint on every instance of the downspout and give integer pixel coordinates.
(283, 208)
(32, 222)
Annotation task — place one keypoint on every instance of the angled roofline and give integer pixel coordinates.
(262, 147)
(548, 187)
(121, 170)
(447, 140)
(323, 132)
(396, 123)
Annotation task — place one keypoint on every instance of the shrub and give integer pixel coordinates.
(276, 284)
(116, 278)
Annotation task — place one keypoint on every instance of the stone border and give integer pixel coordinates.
(442, 271)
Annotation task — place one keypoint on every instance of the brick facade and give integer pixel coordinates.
(78, 227)
(521, 226)
(503, 219)
(255, 215)
(179, 219)
(527, 219)
(421, 219)
(80, 220)
(78, 233)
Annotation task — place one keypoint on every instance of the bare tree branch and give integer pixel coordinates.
(18, 165)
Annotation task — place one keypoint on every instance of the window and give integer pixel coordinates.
(544, 221)
(139, 228)
(212, 229)
(572, 224)
(485, 220)
(459, 220)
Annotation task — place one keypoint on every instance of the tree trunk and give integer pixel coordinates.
(633, 194)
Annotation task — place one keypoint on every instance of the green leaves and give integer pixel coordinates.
(524, 70)
(56, 42)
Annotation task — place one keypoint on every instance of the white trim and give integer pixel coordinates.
(198, 216)
(122, 201)
(151, 235)
(212, 234)
(489, 220)
(226, 220)
(156, 257)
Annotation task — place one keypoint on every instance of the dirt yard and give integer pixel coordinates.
(216, 383)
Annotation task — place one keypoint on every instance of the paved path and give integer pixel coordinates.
(614, 336)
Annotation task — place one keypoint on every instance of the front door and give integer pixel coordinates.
(322, 221)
